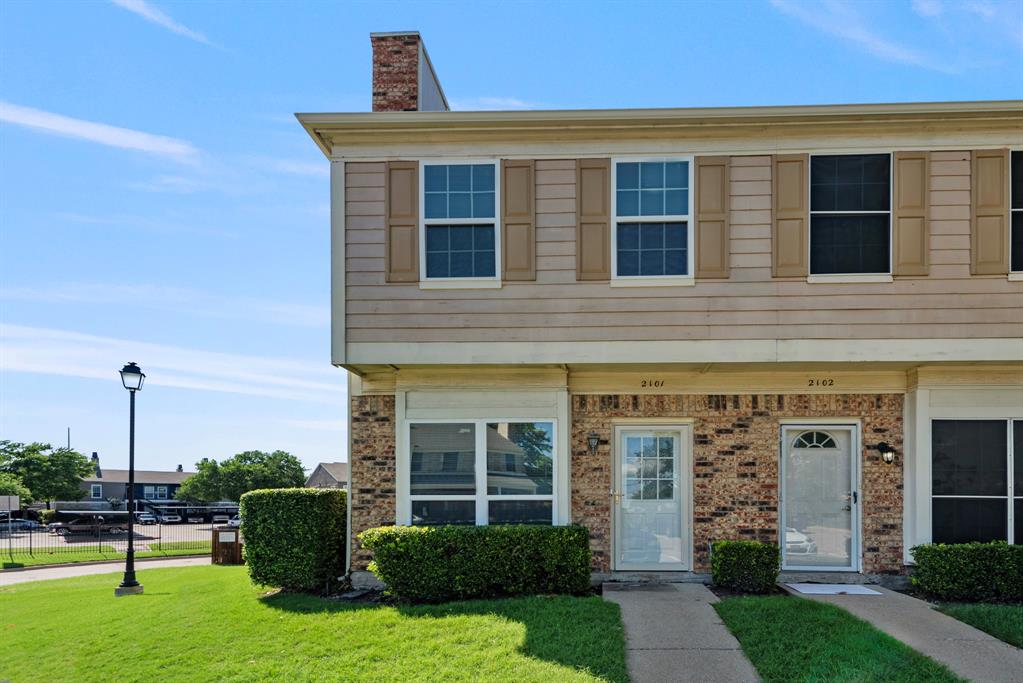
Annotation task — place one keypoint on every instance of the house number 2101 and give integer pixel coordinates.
(651, 383)
(820, 382)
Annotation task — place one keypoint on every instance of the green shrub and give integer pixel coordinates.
(745, 566)
(434, 564)
(294, 538)
(970, 572)
(47, 516)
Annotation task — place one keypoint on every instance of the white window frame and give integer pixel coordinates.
(96, 491)
(850, 277)
(1014, 275)
(482, 498)
(161, 493)
(149, 492)
(459, 282)
(689, 278)
(1011, 494)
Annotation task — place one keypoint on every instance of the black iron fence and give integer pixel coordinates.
(107, 538)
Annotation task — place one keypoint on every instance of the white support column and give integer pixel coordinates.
(563, 494)
(402, 504)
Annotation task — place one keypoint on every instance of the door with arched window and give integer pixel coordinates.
(819, 498)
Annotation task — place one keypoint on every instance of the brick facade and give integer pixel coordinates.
(736, 463)
(395, 72)
(372, 487)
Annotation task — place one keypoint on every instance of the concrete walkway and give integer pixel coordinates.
(673, 634)
(972, 654)
(66, 571)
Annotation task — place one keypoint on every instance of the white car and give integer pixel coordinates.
(798, 543)
(145, 518)
(168, 518)
(221, 519)
(235, 521)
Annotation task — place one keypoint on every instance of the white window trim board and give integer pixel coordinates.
(653, 280)
(459, 282)
(833, 277)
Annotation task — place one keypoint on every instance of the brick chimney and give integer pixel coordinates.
(95, 465)
(403, 77)
(180, 469)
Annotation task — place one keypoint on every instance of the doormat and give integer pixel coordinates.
(831, 589)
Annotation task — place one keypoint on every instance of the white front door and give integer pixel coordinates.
(651, 498)
(819, 497)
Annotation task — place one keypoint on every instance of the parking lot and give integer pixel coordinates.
(147, 537)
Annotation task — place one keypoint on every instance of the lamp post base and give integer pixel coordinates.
(128, 590)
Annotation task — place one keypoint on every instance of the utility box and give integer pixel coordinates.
(227, 545)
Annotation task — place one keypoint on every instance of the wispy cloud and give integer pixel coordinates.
(160, 18)
(843, 20)
(112, 136)
(74, 354)
(490, 104)
(928, 8)
(177, 299)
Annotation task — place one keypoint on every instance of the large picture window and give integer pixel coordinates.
(1016, 237)
(460, 227)
(977, 480)
(481, 472)
(651, 235)
(850, 214)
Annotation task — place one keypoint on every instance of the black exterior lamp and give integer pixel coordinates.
(132, 378)
(886, 451)
(593, 440)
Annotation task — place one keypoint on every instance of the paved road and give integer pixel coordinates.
(972, 654)
(673, 634)
(8, 578)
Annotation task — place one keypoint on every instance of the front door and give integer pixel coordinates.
(651, 498)
(820, 500)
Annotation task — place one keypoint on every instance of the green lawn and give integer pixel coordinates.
(107, 553)
(210, 624)
(792, 639)
(1004, 622)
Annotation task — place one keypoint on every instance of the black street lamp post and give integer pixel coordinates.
(132, 378)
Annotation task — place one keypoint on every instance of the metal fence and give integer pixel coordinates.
(183, 538)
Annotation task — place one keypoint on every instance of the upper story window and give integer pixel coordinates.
(850, 214)
(651, 232)
(1016, 239)
(460, 227)
(96, 491)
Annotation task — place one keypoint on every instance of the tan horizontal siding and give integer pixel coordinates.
(948, 303)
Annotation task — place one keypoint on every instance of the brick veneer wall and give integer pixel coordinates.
(371, 467)
(395, 72)
(736, 464)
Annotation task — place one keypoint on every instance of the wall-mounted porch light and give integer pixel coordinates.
(886, 451)
(593, 440)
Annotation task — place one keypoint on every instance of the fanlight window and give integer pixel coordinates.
(814, 440)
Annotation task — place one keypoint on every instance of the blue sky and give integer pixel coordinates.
(159, 203)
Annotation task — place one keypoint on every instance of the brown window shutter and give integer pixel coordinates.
(790, 227)
(518, 226)
(593, 219)
(911, 240)
(989, 231)
(402, 198)
(712, 232)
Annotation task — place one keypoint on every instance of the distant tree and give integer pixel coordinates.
(10, 485)
(244, 472)
(49, 473)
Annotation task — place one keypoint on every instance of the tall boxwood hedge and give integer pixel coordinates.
(745, 566)
(969, 572)
(294, 538)
(434, 564)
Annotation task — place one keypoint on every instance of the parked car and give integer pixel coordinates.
(221, 519)
(19, 525)
(91, 525)
(235, 521)
(797, 542)
(145, 518)
(168, 518)
(195, 520)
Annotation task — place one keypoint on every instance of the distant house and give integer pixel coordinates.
(329, 475)
(151, 486)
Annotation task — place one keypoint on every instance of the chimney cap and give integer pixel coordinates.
(394, 34)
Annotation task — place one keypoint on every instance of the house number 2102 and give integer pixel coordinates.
(651, 383)
(820, 382)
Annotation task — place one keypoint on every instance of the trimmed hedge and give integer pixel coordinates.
(435, 564)
(745, 566)
(970, 572)
(294, 538)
